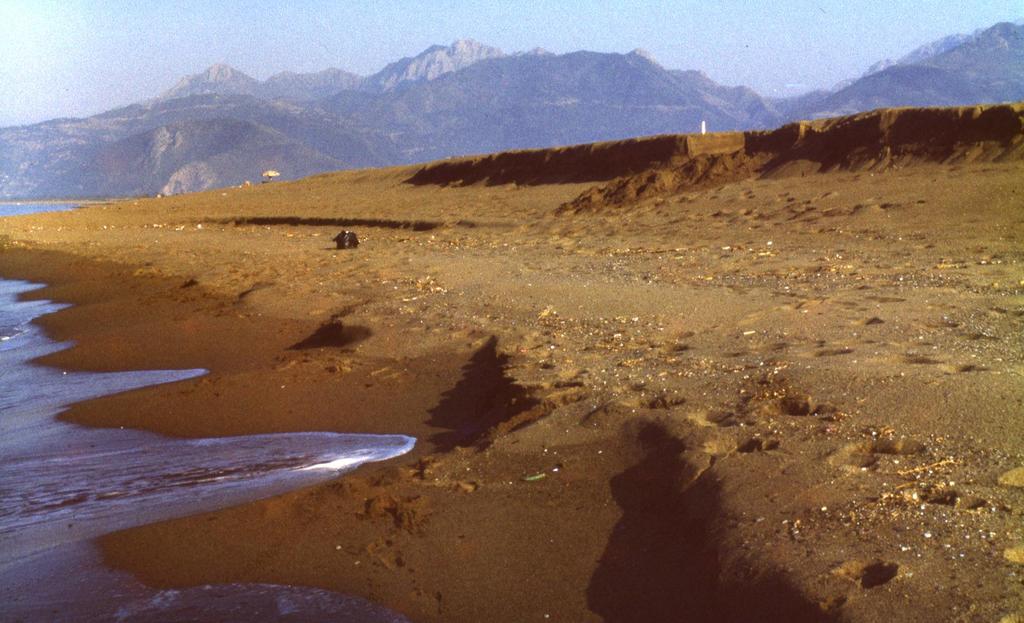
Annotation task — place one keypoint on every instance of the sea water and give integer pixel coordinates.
(62, 485)
(16, 208)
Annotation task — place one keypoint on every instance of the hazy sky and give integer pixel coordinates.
(76, 58)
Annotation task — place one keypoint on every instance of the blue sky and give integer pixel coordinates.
(75, 58)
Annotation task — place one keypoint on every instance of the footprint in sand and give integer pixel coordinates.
(661, 400)
(865, 454)
(832, 352)
(886, 299)
(756, 444)
(963, 368)
(868, 574)
(943, 496)
(722, 418)
(799, 404)
(920, 359)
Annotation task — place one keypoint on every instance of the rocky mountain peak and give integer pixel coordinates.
(433, 62)
(469, 47)
(307, 86)
(1002, 36)
(221, 72)
(644, 54)
(218, 78)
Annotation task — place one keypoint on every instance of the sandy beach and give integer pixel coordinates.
(761, 376)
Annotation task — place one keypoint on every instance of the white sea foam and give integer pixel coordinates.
(337, 464)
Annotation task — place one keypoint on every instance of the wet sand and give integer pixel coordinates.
(678, 391)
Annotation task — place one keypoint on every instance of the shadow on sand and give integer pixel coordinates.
(483, 398)
(662, 559)
(331, 222)
(333, 334)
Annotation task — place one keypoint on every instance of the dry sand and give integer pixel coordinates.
(772, 376)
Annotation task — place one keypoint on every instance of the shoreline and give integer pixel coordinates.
(49, 201)
(115, 327)
(98, 290)
(727, 416)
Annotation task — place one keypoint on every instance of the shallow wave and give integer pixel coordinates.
(47, 499)
(94, 593)
(61, 484)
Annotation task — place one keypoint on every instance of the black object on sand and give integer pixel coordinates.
(347, 240)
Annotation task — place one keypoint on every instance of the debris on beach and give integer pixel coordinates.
(347, 240)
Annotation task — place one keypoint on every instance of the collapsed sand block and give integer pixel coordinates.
(721, 143)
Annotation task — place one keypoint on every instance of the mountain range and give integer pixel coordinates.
(221, 127)
(985, 67)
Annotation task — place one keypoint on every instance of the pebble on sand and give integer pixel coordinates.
(1013, 478)
(1014, 554)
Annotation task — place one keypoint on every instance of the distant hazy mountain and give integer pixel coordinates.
(81, 157)
(196, 155)
(928, 50)
(431, 63)
(985, 67)
(219, 79)
(225, 80)
(435, 61)
(536, 100)
(306, 87)
(221, 126)
(922, 53)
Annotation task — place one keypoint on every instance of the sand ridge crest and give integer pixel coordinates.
(655, 166)
(878, 140)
